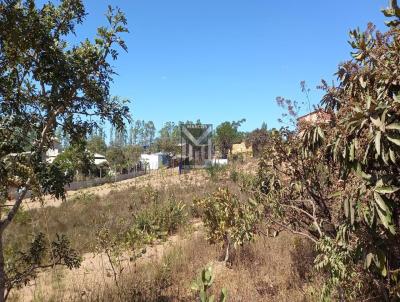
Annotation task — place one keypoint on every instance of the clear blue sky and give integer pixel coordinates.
(218, 60)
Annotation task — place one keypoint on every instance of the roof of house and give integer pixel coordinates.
(320, 113)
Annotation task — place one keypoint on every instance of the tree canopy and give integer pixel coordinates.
(48, 84)
(226, 135)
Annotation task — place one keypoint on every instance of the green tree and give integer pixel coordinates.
(169, 138)
(338, 182)
(116, 158)
(132, 155)
(149, 132)
(97, 144)
(47, 83)
(226, 135)
(257, 139)
(75, 160)
(137, 133)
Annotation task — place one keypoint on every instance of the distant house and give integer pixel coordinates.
(154, 161)
(318, 116)
(241, 149)
(52, 153)
(100, 160)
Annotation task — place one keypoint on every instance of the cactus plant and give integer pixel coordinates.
(203, 283)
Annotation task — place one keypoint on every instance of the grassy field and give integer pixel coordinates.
(146, 243)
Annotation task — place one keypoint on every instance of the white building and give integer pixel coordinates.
(51, 154)
(154, 161)
(100, 160)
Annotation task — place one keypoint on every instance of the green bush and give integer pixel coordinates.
(228, 219)
(215, 171)
(337, 180)
(157, 222)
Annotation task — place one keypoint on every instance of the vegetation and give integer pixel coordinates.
(257, 139)
(337, 184)
(46, 85)
(227, 134)
(228, 219)
(203, 283)
(73, 160)
(325, 194)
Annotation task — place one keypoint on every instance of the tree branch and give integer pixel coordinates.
(6, 221)
(295, 232)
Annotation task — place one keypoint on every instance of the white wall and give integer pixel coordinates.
(217, 162)
(153, 161)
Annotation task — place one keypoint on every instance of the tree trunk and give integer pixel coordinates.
(2, 271)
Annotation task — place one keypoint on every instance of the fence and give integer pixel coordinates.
(76, 185)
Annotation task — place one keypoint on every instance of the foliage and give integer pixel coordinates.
(203, 283)
(116, 157)
(337, 183)
(156, 221)
(215, 171)
(24, 266)
(227, 134)
(257, 139)
(75, 159)
(228, 219)
(142, 133)
(111, 246)
(169, 138)
(49, 84)
(96, 144)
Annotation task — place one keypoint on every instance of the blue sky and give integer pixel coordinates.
(218, 60)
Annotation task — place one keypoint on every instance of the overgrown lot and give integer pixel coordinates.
(125, 224)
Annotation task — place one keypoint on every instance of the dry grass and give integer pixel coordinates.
(269, 269)
(266, 270)
(80, 218)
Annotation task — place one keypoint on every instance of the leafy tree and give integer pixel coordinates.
(257, 139)
(116, 157)
(132, 155)
(264, 126)
(150, 132)
(137, 133)
(75, 159)
(47, 84)
(228, 219)
(169, 138)
(97, 144)
(120, 137)
(338, 183)
(226, 135)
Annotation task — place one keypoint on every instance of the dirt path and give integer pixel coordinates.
(157, 179)
(96, 271)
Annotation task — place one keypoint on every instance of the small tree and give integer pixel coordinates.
(44, 84)
(257, 139)
(337, 183)
(116, 157)
(97, 144)
(228, 219)
(75, 160)
(226, 135)
(169, 138)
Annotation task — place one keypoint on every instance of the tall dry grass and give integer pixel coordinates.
(268, 269)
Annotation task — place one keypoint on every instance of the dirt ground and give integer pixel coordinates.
(96, 270)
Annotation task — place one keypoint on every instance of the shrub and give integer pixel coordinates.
(337, 183)
(156, 222)
(216, 171)
(228, 219)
